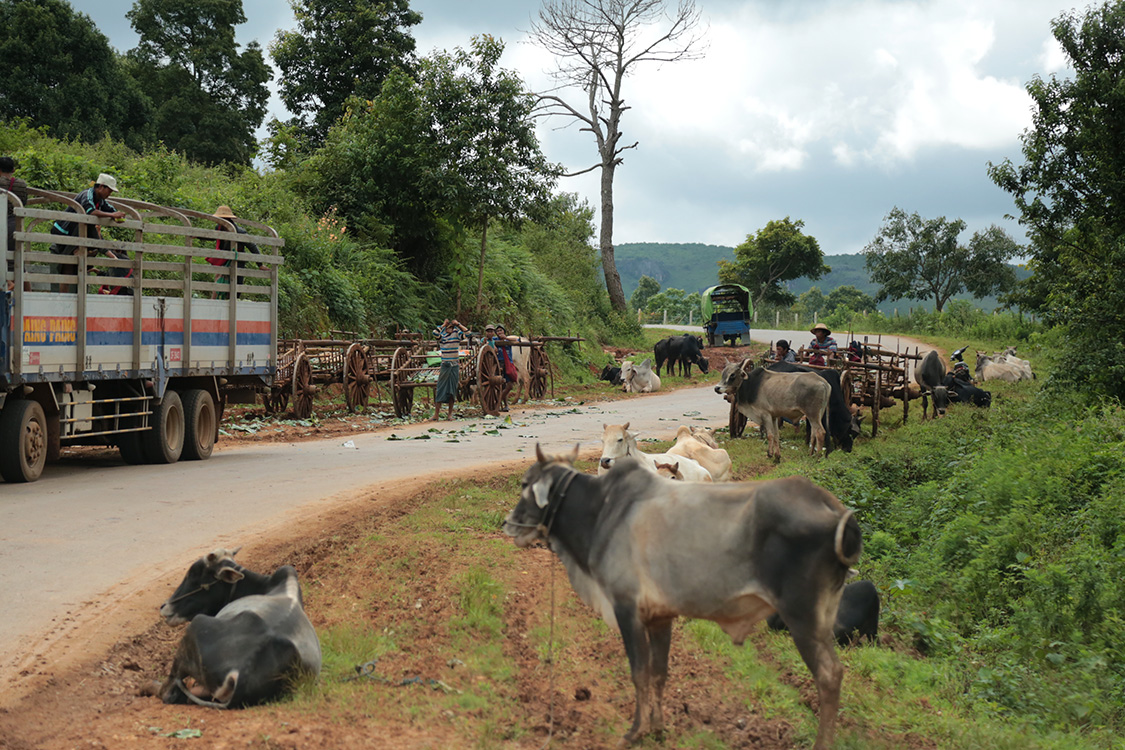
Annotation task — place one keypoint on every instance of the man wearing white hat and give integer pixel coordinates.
(94, 202)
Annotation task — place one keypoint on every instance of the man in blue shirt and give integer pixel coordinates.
(94, 202)
(449, 335)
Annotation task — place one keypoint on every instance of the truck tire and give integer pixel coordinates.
(132, 448)
(23, 441)
(164, 441)
(200, 422)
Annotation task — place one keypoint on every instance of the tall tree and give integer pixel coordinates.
(847, 297)
(1071, 197)
(340, 49)
(597, 43)
(647, 287)
(482, 120)
(209, 98)
(59, 71)
(779, 252)
(916, 258)
(383, 170)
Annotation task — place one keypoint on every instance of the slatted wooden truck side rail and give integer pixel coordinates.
(148, 369)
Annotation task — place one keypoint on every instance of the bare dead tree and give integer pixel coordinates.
(596, 44)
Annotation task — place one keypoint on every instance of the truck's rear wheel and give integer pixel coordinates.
(23, 441)
(164, 442)
(132, 447)
(200, 424)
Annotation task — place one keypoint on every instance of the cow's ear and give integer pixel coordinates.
(573, 455)
(625, 426)
(542, 492)
(229, 575)
(539, 454)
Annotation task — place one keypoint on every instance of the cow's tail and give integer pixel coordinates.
(849, 539)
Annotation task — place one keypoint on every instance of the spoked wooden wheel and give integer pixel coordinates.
(402, 395)
(303, 388)
(539, 373)
(490, 381)
(847, 387)
(737, 423)
(357, 377)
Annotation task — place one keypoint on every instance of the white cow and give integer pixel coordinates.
(618, 442)
(714, 459)
(641, 378)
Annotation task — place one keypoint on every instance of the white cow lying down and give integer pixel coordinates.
(640, 378)
(701, 447)
(618, 442)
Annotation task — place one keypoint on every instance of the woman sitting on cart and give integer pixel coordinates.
(449, 335)
(822, 343)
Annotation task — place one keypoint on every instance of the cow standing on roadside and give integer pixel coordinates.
(684, 350)
(643, 551)
(248, 635)
(764, 397)
(929, 374)
(842, 424)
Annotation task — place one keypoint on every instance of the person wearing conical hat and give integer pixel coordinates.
(822, 342)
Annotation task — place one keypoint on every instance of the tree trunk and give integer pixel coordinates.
(480, 273)
(609, 265)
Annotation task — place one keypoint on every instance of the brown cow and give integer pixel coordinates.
(643, 551)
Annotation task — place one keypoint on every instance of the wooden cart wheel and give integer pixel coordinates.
(303, 388)
(357, 377)
(490, 380)
(847, 387)
(402, 395)
(538, 371)
(737, 423)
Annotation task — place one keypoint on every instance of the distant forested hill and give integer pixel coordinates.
(693, 267)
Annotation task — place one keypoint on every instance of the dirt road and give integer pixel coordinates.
(94, 536)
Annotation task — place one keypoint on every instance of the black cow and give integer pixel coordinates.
(856, 619)
(612, 375)
(248, 634)
(929, 374)
(685, 350)
(643, 551)
(962, 391)
(842, 424)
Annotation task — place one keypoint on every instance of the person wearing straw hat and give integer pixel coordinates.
(224, 212)
(94, 201)
(823, 342)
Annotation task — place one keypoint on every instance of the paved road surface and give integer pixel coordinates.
(87, 526)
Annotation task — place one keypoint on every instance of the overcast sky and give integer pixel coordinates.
(828, 111)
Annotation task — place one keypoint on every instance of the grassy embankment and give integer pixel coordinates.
(995, 537)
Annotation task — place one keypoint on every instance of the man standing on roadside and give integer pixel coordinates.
(449, 335)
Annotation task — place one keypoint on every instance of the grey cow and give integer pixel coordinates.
(764, 397)
(643, 551)
(247, 638)
(929, 374)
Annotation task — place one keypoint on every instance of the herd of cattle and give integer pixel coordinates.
(649, 538)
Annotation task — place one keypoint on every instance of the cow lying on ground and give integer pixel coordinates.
(962, 391)
(856, 619)
(764, 397)
(714, 459)
(843, 424)
(989, 369)
(1008, 357)
(618, 442)
(248, 635)
(612, 375)
(641, 378)
(929, 374)
(684, 350)
(643, 551)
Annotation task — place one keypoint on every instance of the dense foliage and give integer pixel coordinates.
(1071, 197)
(777, 253)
